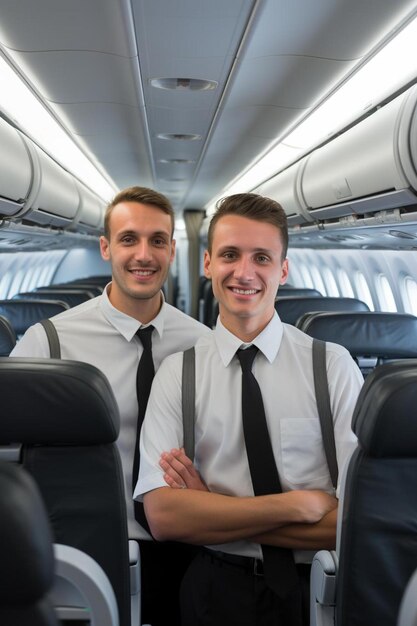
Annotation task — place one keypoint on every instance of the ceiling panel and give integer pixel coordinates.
(92, 62)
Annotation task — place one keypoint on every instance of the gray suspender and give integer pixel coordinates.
(188, 401)
(321, 387)
(322, 398)
(53, 339)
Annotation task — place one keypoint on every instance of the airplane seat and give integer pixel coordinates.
(65, 416)
(290, 308)
(27, 559)
(298, 292)
(363, 581)
(208, 299)
(201, 288)
(72, 297)
(24, 313)
(93, 289)
(408, 607)
(371, 337)
(101, 280)
(7, 337)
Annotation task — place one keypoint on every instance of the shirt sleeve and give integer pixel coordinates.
(162, 427)
(34, 343)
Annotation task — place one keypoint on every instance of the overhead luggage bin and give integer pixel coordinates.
(56, 200)
(90, 216)
(286, 189)
(370, 167)
(15, 170)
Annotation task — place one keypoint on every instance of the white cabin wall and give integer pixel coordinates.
(398, 267)
(81, 263)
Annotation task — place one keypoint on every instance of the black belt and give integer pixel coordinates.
(248, 563)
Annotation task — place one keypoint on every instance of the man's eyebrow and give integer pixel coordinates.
(237, 249)
(135, 233)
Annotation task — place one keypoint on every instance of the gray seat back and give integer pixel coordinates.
(298, 292)
(24, 313)
(290, 309)
(27, 560)
(378, 547)
(372, 337)
(66, 417)
(7, 337)
(72, 297)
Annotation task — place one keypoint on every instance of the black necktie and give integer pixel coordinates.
(279, 568)
(144, 377)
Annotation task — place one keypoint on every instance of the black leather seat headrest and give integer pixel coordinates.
(375, 334)
(290, 309)
(53, 401)
(72, 297)
(24, 313)
(384, 419)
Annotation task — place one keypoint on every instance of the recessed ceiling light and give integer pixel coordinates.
(181, 136)
(176, 161)
(181, 84)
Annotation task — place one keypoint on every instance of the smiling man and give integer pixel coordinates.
(214, 503)
(138, 242)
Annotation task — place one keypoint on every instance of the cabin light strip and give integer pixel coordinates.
(387, 71)
(21, 106)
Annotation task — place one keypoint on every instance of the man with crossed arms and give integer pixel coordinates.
(246, 260)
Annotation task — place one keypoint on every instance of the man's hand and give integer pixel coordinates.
(180, 472)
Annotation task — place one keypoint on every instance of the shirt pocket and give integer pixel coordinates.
(303, 460)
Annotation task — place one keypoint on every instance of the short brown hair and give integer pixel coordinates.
(143, 195)
(254, 207)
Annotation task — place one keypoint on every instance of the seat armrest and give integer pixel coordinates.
(408, 608)
(323, 588)
(135, 585)
(82, 589)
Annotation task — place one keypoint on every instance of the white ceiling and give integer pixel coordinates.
(92, 60)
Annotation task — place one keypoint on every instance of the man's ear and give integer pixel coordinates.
(206, 264)
(284, 272)
(173, 248)
(104, 248)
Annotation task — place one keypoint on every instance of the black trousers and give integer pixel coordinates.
(215, 593)
(163, 566)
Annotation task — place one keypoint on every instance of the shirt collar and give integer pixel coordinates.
(128, 326)
(268, 341)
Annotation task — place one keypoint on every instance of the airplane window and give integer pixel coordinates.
(16, 283)
(317, 279)
(307, 280)
(295, 277)
(345, 284)
(409, 293)
(363, 290)
(385, 295)
(45, 275)
(331, 286)
(28, 279)
(4, 284)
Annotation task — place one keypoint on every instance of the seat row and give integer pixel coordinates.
(27, 308)
(64, 418)
(60, 422)
(369, 578)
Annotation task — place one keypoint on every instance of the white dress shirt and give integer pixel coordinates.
(96, 332)
(283, 368)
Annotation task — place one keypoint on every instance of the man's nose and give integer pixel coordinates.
(143, 251)
(244, 269)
